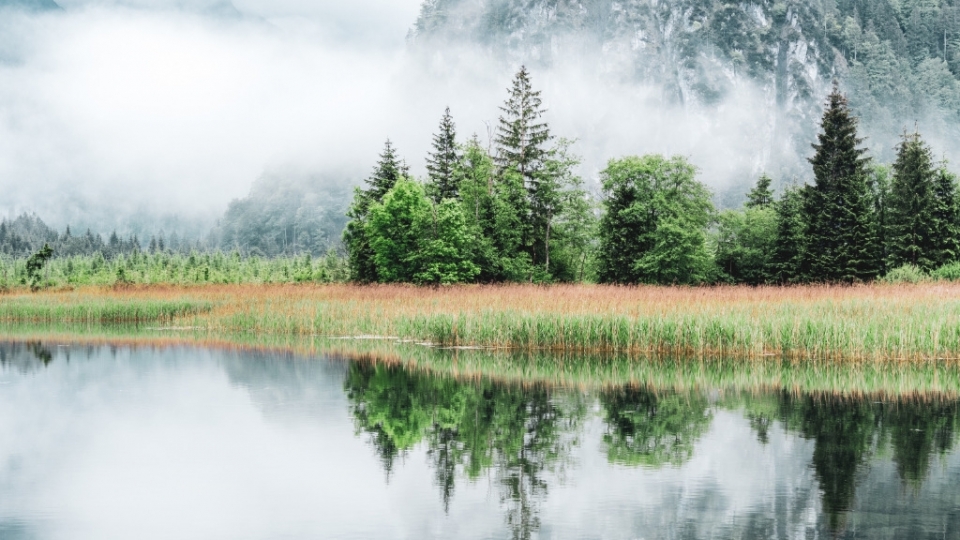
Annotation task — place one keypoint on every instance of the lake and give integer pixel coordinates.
(111, 442)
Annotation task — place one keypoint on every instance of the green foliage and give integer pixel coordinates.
(761, 196)
(35, 264)
(388, 171)
(653, 229)
(906, 273)
(947, 272)
(416, 241)
(840, 235)
(745, 243)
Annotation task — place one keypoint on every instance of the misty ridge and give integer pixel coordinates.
(246, 125)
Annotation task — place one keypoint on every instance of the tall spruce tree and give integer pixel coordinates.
(761, 196)
(388, 171)
(946, 218)
(443, 160)
(521, 154)
(838, 211)
(911, 205)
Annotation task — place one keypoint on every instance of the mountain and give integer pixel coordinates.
(898, 60)
(30, 5)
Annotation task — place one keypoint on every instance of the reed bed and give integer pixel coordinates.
(875, 323)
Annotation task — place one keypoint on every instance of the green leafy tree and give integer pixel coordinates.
(840, 227)
(443, 161)
(910, 206)
(388, 171)
(653, 228)
(416, 241)
(746, 241)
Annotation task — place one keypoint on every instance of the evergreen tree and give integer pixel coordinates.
(911, 205)
(787, 258)
(442, 162)
(385, 175)
(840, 223)
(946, 218)
(521, 156)
(880, 190)
(761, 196)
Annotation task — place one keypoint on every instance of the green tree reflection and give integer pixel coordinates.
(918, 431)
(470, 428)
(650, 429)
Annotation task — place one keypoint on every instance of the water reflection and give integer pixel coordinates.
(494, 459)
(470, 429)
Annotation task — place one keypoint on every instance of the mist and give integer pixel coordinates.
(155, 114)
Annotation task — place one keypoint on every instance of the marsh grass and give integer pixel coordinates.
(879, 323)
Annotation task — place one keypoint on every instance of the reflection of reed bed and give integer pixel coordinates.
(886, 323)
(924, 380)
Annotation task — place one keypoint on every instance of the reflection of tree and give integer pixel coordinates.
(843, 431)
(520, 434)
(25, 357)
(645, 428)
(917, 432)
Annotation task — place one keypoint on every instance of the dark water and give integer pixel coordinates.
(105, 443)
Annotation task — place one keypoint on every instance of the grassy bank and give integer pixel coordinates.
(889, 323)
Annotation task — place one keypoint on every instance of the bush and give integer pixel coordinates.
(947, 272)
(907, 273)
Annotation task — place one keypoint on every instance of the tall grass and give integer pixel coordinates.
(889, 323)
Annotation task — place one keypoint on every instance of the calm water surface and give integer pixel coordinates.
(180, 443)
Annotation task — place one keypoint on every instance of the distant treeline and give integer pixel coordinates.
(23, 235)
(517, 212)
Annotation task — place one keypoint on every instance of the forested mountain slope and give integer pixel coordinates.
(897, 59)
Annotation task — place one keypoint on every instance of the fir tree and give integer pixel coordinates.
(911, 204)
(840, 229)
(443, 161)
(389, 169)
(946, 218)
(788, 246)
(521, 135)
(761, 196)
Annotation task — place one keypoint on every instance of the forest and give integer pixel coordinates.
(517, 211)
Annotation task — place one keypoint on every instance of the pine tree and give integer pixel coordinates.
(911, 204)
(388, 171)
(946, 218)
(840, 243)
(761, 196)
(443, 161)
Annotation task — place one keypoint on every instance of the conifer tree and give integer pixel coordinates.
(521, 135)
(388, 171)
(761, 196)
(442, 162)
(911, 204)
(946, 218)
(787, 257)
(840, 244)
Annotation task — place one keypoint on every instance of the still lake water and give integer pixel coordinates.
(181, 443)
